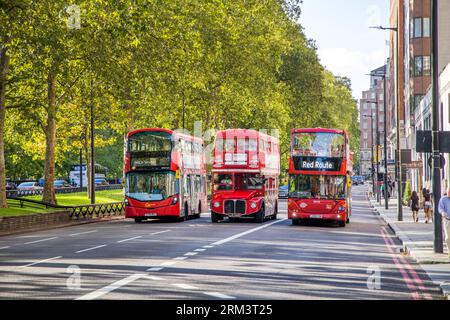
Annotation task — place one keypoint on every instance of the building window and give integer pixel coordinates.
(426, 27)
(417, 27)
(420, 27)
(418, 66)
(422, 66)
(427, 66)
(417, 99)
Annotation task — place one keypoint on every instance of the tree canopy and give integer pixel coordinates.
(226, 63)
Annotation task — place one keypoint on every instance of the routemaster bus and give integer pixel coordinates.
(246, 167)
(320, 167)
(165, 175)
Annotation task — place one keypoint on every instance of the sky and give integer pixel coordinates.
(346, 45)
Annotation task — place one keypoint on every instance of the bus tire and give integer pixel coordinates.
(295, 222)
(214, 217)
(342, 224)
(186, 213)
(138, 220)
(348, 219)
(259, 217)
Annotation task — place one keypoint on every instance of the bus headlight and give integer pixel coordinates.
(253, 205)
(127, 203)
(216, 204)
(341, 208)
(174, 200)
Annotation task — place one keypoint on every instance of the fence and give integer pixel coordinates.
(39, 192)
(90, 211)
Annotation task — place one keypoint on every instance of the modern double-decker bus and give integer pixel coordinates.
(165, 175)
(320, 167)
(245, 172)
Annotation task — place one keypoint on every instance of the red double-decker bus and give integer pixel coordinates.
(320, 167)
(245, 172)
(165, 175)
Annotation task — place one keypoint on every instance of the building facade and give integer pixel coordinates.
(371, 111)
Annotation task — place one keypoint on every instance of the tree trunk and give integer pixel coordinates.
(50, 140)
(4, 67)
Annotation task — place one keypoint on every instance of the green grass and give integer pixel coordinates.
(63, 199)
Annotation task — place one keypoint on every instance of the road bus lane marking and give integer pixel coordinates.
(411, 270)
(409, 283)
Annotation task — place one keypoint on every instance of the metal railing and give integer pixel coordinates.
(75, 212)
(39, 192)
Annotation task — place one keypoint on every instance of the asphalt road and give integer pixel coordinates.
(199, 260)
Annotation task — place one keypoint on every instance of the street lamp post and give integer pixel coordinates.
(371, 151)
(377, 143)
(398, 166)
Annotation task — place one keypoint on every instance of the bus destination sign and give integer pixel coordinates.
(317, 164)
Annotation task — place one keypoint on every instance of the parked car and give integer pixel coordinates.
(10, 185)
(101, 182)
(283, 192)
(60, 184)
(29, 186)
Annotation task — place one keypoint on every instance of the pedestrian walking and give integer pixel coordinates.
(370, 190)
(444, 210)
(427, 206)
(414, 203)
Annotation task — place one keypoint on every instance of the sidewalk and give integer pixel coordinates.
(417, 240)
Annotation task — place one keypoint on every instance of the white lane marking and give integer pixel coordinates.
(45, 260)
(159, 232)
(155, 269)
(42, 240)
(129, 239)
(239, 235)
(168, 263)
(180, 258)
(190, 253)
(200, 250)
(93, 248)
(5, 247)
(149, 277)
(100, 292)
(184, 286)
(79, 233)
(208, 247)
(219, 295)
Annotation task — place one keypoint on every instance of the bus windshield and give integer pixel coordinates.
(317, 187)
(319, 144)
(154, 186)
(150, 150)
(245, 181)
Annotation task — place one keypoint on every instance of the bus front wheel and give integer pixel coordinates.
(295, 222)
(259, 218)
(215, 217)
(342, 223)
(138, 220)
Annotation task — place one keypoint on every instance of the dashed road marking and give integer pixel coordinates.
(45, 260)
(155, 269)
(239, 235)
(219, 295)
(100, 292)
(6, 247)
(80, 233)
(184, 286)
(129, 239)
(180, 258)
(191, 253)
(200, 250)
(93, 248)
(42, 240)
(168, 263)
(159, 232)
(208, 247)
